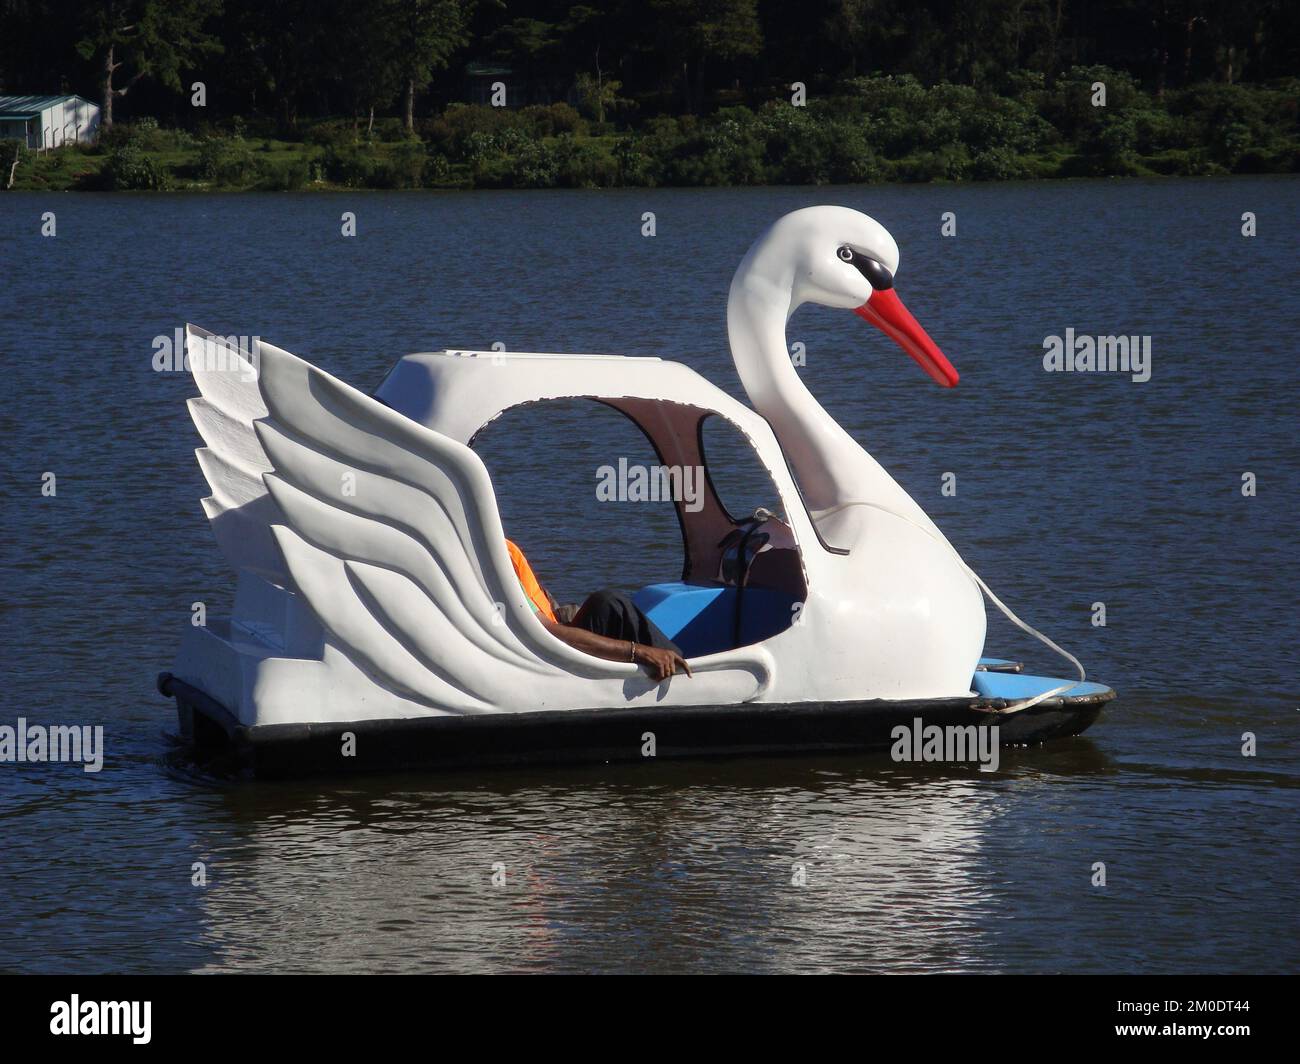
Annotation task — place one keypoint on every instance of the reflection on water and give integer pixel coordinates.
(1070, 491)
(405, 877)
(803, 865)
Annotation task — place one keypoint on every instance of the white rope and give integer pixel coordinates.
(1006, 612)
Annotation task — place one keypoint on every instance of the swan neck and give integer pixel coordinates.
(821, 454)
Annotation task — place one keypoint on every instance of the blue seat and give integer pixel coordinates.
(701, 618)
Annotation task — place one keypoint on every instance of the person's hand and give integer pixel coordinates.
(660, 663)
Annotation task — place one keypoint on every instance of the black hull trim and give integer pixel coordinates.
(603, 735)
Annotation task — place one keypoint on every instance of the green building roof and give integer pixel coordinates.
(30, 106)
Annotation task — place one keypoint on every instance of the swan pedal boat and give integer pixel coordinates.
(378, 622)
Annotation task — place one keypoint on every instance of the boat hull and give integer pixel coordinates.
(566, 737)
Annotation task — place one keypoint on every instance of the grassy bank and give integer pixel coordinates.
(873, 129)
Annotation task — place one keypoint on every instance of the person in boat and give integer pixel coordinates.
(608, 625)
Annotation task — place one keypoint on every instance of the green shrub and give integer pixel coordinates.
(994, 122)
(146, 135)
(128, 168)
(728, 149)
(535, 165)
(347, 165)
(1069, 106)
(452, 129)
(118, 135)
(585, 163)
(951, 163)
(1183, 162)
(631, 162)
(552, 120)
(288, 175)
(791, 150)
(1110, 146)
(475, 149)
(660, 139)
(403, 167)
(1235, 121)
(226, 161)
(1157, 131)
(1263, 161)
(1230, 142)
(437, 169)
(998, 164)
(333, 133)
(388, 130)
(852, 159)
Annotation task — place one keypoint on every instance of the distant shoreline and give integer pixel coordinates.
(295, 166)
(325, 188)
(894, 131)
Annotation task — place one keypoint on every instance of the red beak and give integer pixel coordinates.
(886, 312)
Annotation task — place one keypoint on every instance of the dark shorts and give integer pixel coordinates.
(615, 615)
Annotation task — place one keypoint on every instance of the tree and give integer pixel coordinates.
(587, 31)
(529, 46)
(698, 31)
(431, 32)
(12, 152)
(273, 55)
(860, 30)
(848, 25)
(159, 38)
(599, 94)
(365, 54)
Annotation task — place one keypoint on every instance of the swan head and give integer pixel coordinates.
(840, 258)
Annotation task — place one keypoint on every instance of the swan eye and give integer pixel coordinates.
(873, 271)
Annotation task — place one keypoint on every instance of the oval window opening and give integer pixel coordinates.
(594, 504)
(569, 484)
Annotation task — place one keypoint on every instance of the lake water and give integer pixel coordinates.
(1071, 489)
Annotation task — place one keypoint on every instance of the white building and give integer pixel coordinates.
(48, 121)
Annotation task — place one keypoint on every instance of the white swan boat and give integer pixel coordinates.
(378, 620)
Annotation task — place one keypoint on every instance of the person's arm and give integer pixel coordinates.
(660, 663)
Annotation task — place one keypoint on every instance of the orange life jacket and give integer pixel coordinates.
(529, 583)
